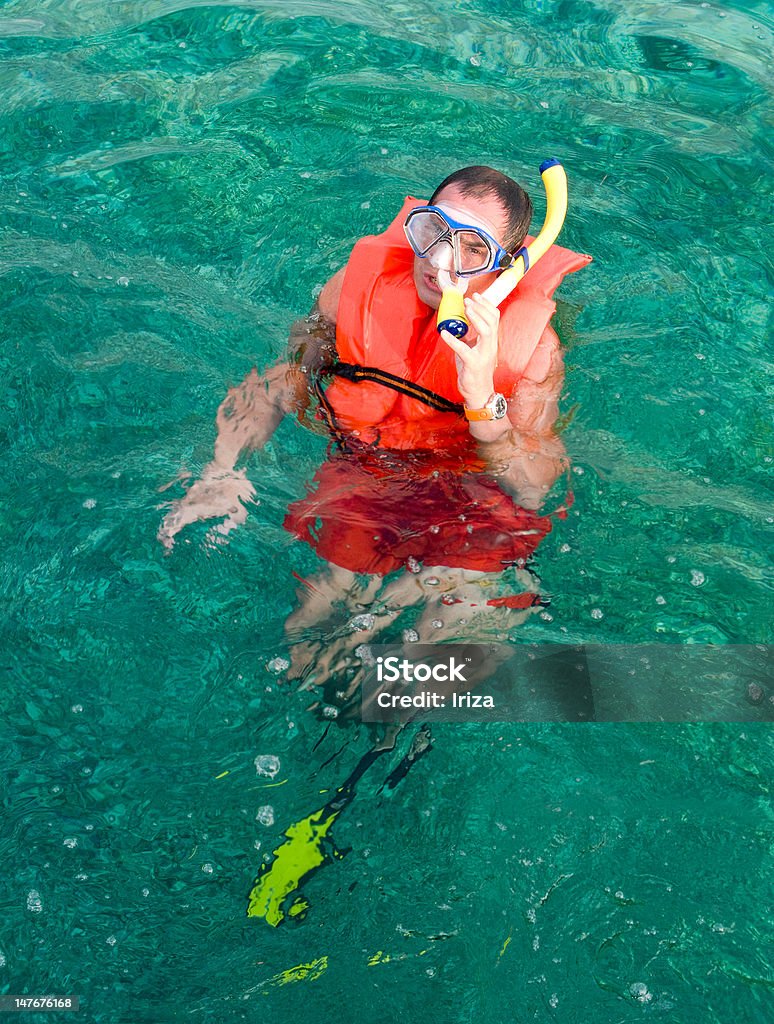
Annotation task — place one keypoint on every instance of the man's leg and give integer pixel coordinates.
(337, 611)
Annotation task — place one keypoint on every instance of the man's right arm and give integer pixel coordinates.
(249, 415)
(252, 411)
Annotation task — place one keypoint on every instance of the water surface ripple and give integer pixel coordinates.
(177, 181)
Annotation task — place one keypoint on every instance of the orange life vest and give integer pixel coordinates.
(382, 323)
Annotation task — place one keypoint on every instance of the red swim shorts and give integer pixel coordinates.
(373, 513)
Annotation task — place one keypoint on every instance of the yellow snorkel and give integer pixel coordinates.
(451, 312)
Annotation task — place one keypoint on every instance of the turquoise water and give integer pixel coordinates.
(176, 182)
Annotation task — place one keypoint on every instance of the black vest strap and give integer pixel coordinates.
(355, 373)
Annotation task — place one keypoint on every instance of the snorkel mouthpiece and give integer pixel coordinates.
(451, 310)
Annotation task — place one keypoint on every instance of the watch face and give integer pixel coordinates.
(499, 407)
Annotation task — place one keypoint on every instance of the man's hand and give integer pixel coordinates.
(476, 363)
(221, 493)
(247, 417)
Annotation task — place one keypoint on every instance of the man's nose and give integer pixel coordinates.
(441, 255)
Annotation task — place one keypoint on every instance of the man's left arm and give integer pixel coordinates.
(529, 457)
(524, 451)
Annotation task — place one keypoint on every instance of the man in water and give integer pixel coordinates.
(446, 448)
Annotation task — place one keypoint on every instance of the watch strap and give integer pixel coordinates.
(475, 415)
(489, 411)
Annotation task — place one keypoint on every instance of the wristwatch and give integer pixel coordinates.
(495, 408)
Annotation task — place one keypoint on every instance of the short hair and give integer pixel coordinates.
(480, 182)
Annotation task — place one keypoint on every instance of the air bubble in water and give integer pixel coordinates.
(362, 622)
(597, 613)
(208, 868)
(265, 815)
(70, 842)
(410, 636)
(34, 902)
(697, 578)
(267, 764)
(413, 564)
(364, 653)
(639, 991)
(278, 665)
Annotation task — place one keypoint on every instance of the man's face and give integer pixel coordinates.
(487, 213)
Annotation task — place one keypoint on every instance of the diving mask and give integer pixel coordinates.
(474, 249)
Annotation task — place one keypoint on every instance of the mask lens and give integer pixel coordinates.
(473, 252)
(424, 229)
